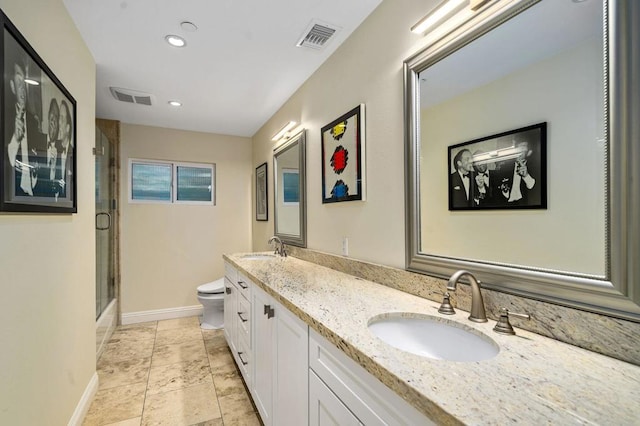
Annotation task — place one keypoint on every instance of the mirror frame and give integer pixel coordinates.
(300, 140)
(615, 294)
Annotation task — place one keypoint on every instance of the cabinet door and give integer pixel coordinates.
(325, 409)
(291, 384)
(230, 295)
(263, 355)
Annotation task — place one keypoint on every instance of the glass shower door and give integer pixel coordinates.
(105, 163)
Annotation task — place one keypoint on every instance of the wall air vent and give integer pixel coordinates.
(131, 96)
(317, 35)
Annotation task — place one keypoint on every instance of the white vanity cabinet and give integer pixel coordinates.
(351, 395)
(280, 348)
(237, 319)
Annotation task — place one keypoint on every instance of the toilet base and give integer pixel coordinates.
(206, 326)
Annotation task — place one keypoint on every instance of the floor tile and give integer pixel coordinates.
(179, 352)
(215, 422)
(186, 406)
(171, 324)
(228, 384)
(125, 372)
(130, 422)
(119, 350)
(169, 373)
(133, 333)
(166, 378)
(237, 410)
(213, 334)
(116, 404)
(177, 335)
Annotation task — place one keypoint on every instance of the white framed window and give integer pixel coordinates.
(153, 181)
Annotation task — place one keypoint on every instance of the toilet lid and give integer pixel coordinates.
(214, 287)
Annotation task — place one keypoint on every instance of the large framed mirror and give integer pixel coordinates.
(289, 177)
(574, 67)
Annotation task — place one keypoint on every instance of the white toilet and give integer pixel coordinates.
(211, 295)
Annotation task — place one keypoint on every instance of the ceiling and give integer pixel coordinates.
(237, 69)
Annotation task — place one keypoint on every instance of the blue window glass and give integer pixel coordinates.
(151, 182)
(291, 185)
(194, 183)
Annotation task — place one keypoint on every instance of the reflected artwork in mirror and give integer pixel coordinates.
(567, 65)
(290, 194)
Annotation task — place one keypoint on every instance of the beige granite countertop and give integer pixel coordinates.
(532, 380)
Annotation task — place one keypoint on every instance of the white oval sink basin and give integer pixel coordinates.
(258, 256)
(433, 337)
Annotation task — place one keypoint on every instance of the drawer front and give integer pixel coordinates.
(244, 359)
(243, 318)
(230, 272)
(244, 285)
(370, 400)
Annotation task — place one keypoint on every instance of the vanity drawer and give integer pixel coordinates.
(244, 359)
(244, 318)
(244, 284)
(230, 272)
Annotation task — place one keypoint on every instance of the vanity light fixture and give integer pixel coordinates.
(441, 12)
(175, 41)
(290, 125)
(32, 82)
(175, 103)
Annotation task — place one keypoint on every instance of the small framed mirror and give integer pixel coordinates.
(289, 177)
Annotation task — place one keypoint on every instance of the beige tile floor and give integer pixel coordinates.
(169, 373)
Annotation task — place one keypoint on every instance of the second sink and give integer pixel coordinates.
(433, 337)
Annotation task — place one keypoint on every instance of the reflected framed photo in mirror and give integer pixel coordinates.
(501, 171)
(262, 209)
(38, 166)
(343, 156)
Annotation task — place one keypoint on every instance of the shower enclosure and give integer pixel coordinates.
(106, 233)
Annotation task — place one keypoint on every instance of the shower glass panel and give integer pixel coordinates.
(105, 291)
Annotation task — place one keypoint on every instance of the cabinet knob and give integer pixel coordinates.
(228, 290)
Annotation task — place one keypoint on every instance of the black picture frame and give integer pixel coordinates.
(38, 127)
(507, 170)
(343, 154)
(262, 197)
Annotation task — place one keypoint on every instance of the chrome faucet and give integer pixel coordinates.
(280, 247)
(477, 304)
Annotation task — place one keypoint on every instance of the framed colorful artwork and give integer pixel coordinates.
(343, 154)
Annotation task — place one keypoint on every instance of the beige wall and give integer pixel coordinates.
(47, 308)
(168, 250)
(547, 91)
(367, 69)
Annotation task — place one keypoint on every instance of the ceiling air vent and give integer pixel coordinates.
(317, 35)
(131, 96)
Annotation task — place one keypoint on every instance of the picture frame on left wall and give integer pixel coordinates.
(262, 207)
(38, 127)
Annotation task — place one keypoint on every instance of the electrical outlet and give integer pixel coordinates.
(345, 246)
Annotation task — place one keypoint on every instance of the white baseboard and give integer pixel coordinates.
(85, 402)
(160, 314)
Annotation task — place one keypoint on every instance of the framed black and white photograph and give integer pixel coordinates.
(262, 209)
(38, 121)
(502, 171)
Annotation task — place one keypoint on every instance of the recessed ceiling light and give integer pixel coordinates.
(188, 26)
(175, 40)
(31, 82)
(175, 103)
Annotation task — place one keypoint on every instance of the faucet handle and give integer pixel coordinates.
(446, 308)
(503, 326)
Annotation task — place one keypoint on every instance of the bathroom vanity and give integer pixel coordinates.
(308, 356)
